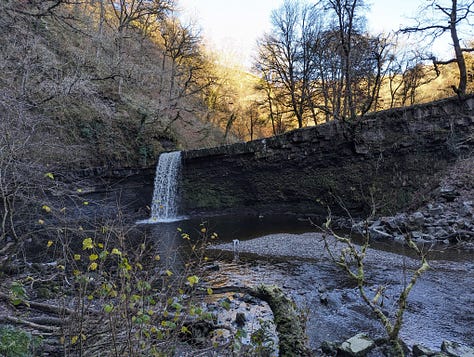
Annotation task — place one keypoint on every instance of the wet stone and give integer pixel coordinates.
(329, 348)
(467, 208)
(324, 298)
(435, 210)
(448, 193)
(419, 350)
(358, 345)
(455, 349)
(417, 219)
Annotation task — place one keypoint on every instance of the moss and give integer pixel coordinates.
(290, 329)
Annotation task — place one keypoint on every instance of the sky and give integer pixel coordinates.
(233, 26)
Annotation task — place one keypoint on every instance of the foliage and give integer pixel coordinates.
(17, 343)
(145, 303)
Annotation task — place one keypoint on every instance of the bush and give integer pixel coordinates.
(17, 343)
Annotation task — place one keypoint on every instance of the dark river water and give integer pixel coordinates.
(440, 306)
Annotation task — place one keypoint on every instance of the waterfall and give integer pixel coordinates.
(164, 206)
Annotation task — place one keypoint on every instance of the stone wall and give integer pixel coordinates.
(390, 160)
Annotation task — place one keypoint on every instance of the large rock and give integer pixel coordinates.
(358, 345)
(419, 350)
(455, 349)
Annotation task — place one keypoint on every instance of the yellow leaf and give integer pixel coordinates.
(77, 257)
(157, 257)
(169, 272)
(50, 243)
(209, 291)
(40, 221)
(100, 245)
(93, 266)
(203, 230)
(74, 339)
(93, 257)
(192, 280)
(87, 244)
(79, 190)
(76, 272)
(49, 175)
(61, 267)
(116, 251)
(85, 203)
(45, 208)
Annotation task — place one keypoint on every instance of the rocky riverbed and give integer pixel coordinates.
(439, 307)
(447, 216)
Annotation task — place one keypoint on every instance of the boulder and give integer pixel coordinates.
(419, 350)
(448, 193)
(455, 349)
(378, 233)
(435, 210)
(417, 219)
(467, 209)
(358, 345)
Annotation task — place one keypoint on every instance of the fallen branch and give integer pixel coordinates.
(58, 310)
(33, 325)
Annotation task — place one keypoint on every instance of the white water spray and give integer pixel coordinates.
(164, 206)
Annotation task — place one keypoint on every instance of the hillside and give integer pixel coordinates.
(79, 88)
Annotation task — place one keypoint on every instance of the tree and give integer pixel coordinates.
(322, 61)
(129, 11)
(347, 21)
(272, 103)
(284, 52)
(447, 16)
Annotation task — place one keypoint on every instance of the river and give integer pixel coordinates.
(285, 250)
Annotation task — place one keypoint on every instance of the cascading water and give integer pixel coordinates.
(164, 206)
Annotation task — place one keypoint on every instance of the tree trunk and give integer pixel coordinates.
(461, 90)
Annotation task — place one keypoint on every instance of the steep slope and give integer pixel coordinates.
(86, 94)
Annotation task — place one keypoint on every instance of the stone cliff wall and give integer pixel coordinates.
(390, 159)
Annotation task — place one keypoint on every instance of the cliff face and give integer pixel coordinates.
(390, 159)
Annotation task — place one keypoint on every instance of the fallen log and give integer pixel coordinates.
(290, 329)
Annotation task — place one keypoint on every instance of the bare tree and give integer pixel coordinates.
(281, 52)
(347, 20)
(447, 16)
(272, 103)
(128, 11)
